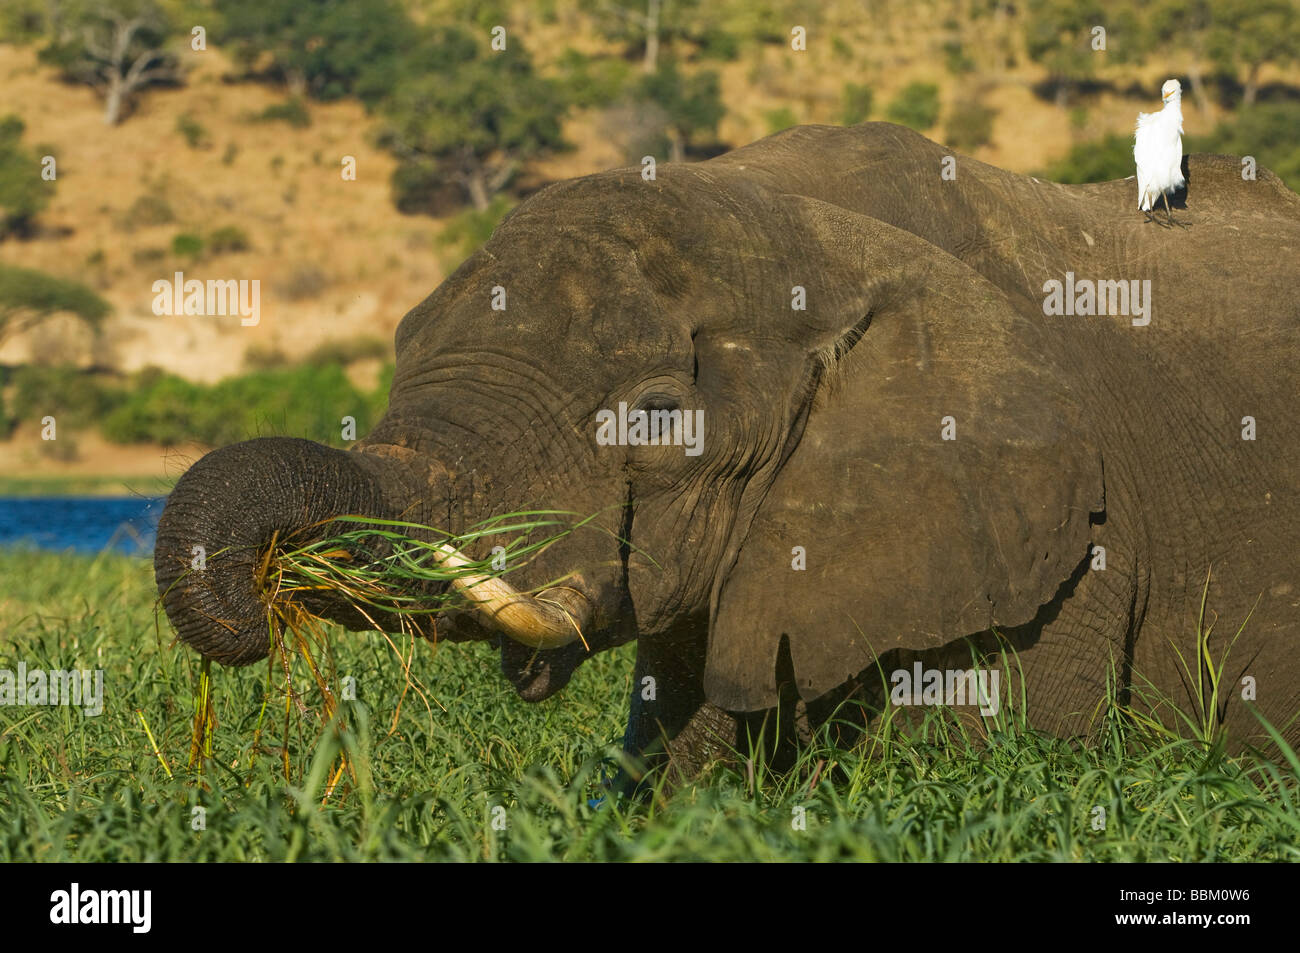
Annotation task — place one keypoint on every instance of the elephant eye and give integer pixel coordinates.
(657, 402)
(662, 415)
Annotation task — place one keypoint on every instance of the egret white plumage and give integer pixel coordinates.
(1158, 151)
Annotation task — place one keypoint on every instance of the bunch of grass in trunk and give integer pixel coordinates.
(382, 567)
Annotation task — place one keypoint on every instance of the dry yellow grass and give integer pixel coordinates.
(282, 185)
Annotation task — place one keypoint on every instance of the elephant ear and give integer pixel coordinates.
(937, 480)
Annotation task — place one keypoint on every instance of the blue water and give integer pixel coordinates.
(86, 524)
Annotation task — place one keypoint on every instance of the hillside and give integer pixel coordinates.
(335, 258)
(337, 262)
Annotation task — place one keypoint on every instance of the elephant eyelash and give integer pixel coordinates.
(832, 354)
(657, 402)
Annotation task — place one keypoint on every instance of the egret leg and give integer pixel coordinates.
(1169, 212)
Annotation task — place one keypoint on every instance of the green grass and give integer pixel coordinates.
(85, 485)
(83, 788)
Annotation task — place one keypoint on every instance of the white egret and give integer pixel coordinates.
(1158, 151)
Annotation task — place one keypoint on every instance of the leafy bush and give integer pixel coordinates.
(778, 119)
(326, 49)
(472, 116)
(23, 193)
(956, 59)
(693, 104)
(187, 245)
(27, 296)
(72, 397)
(856, 104)
(420, 187)
(160, 408)
(467, 231)
(228, 239)
(196, 136)
(306, 401)
(586, 81)
(970, 126)
(303, 282)
(293, 111)
(1269, 132)
(916, 106)
(718, 44)
(24, 21)
(1100, 160)
(147, 210)
(148, 255)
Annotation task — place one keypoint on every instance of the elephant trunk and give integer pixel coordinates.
(235, 502)
(224, 513)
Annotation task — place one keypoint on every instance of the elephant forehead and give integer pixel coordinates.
(611, 266)
(682, 224)
(568, 307)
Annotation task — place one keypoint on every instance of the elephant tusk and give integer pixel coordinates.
(551, 619)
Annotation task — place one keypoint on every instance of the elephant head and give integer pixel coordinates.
(806, 362)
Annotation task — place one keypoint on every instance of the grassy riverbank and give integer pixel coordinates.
(430, 780)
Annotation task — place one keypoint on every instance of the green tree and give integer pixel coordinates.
(651, 28)
(325, 49)
(1268, 131)
(1101, 160)
(916, 106)
(22, 21)
(1189, 25)
(116, 46)
(27, 297)
(23, 193)
(856, 104)
(692, 105)
(1248, 34)
(970, 125)
(1060, 35)
(471, 116)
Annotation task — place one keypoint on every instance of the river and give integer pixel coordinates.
(85, 524)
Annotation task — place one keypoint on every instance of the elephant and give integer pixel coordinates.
(937, 407)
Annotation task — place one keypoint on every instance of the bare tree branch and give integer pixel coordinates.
(118, 55)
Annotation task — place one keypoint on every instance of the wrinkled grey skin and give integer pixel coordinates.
(823, 430)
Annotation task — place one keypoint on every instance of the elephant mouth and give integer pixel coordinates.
(536, 674)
